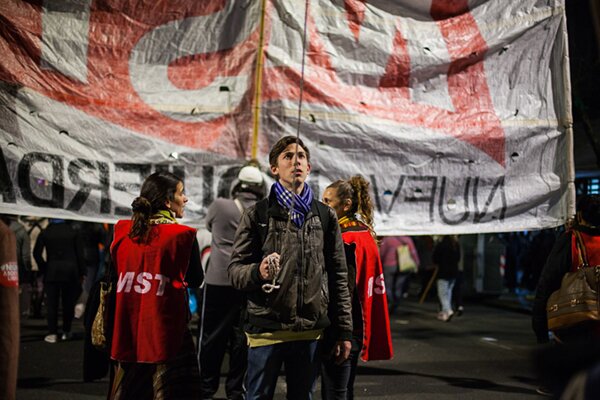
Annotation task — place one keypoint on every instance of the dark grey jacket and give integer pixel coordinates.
(313, 272)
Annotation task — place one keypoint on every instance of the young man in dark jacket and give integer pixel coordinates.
(291, 264)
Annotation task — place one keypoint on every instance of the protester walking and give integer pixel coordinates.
(221, 326)
(288, 257)
(446, 256)
(155, 259)
(63, 272)
(397, 276)
(371, 337)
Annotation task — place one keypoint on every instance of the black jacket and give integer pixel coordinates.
(313, 272)
(447, 255)
(64, 259)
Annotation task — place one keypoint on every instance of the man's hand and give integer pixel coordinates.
(341, 351)
(268, 272)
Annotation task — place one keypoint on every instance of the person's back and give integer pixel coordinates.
(396, 281)
(147, 282)
(63, 261)
(222, 220)
(155, 259)
(63, 273)
(352, 203)
(446, 256)
(220, 328)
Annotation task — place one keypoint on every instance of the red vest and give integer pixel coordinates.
(370, 288)
(151, 308)
(592, 249)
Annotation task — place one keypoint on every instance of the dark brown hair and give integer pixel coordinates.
(588, 208)
(356, 189)
(282, 144)
(156, 190)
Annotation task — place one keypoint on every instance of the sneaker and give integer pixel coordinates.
(459, 311)
(445, 316)
(52, 338)
(67, 336)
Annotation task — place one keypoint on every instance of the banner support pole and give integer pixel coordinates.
(258, 81)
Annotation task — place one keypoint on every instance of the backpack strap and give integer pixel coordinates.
(323, 211)
(239, 205)
(262, 219)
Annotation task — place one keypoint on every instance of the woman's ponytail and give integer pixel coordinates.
(142, 210)
(362, 198)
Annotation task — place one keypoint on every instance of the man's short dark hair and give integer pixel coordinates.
(282, 144)
(589, 207)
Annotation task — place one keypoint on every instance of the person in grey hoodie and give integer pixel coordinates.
(221, 320)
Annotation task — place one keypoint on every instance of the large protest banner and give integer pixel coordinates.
(457, 112)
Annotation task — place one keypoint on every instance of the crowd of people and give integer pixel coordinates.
(292, 282)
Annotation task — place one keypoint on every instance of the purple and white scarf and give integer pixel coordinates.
(298, 205)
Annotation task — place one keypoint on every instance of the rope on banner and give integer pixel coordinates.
(269, 287)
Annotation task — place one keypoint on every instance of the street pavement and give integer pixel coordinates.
(485, 354)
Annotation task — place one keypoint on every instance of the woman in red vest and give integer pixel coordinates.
(371, 335)
(155, 260)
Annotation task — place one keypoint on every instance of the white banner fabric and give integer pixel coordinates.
(457, 114)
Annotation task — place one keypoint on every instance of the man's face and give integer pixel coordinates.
(291, 170)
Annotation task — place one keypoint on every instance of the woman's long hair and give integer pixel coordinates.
(356, 189)
(157, 189)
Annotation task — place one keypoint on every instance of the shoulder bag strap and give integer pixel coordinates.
(239, 205)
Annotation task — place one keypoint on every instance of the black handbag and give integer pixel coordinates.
(577, 300)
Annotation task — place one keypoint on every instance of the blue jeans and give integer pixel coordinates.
(444, 289)
(301, 360)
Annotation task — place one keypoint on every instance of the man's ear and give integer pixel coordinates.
(168, 204)
(274, 170)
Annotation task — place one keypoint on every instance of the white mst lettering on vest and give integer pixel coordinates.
(379, 286)
(143, 282)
